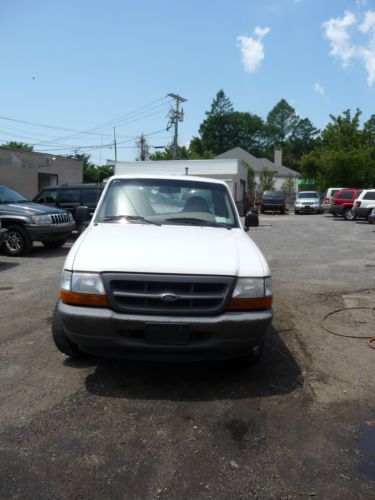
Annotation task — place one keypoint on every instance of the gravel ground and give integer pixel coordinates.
(300, 424)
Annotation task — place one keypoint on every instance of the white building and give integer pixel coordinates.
(232, 171)
(258, 164)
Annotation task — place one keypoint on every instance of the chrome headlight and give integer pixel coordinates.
(82, 283)
(41, 219)
(253, 287)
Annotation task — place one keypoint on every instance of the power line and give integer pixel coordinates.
(135, 112)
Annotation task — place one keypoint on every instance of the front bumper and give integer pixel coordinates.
(50, 232)
(270, 206)
(3, 235)
(307, 208)
(105, 332)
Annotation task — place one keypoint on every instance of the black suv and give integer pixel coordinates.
(27, 222)
(71, 196)
(273, 200)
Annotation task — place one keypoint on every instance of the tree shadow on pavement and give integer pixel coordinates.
(276, 373)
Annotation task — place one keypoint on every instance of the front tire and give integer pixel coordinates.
(60, 338)
(296, 212)
(18, 241)
(54, 243)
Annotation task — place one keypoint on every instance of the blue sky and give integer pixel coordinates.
(86, 65)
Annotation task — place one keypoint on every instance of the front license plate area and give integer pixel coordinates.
(167, 333)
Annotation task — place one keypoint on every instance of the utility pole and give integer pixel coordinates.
(114, 142)
(142, 143)
(175, 116)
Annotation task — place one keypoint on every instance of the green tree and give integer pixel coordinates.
(281, 122)
(18, 145)
(224, 129)
(251, 184)
(345, 155)
(288, 184)
(303, 139)
(220, 106)
(92, 172)
(183, 153)
(266, 180)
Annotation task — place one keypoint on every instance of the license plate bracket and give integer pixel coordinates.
(167, 333)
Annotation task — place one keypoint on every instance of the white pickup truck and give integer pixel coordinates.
(165, 270)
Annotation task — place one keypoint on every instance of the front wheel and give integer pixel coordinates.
(348, 214)
(296, 212)
(54, 243)
(60, 338)
(18, 241)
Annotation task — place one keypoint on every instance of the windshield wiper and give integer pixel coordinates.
(130, 218)
(198, 222)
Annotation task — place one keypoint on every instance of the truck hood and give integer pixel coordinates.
(167, 249)
(28, 208)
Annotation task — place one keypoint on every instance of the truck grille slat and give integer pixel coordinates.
(60, 218)
(167, 294)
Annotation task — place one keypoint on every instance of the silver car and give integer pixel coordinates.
(307, 202)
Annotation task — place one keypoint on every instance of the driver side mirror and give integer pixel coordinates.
(251, 220)
(82, 214)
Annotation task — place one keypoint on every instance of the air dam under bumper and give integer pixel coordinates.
(51, 232)
(105, 332)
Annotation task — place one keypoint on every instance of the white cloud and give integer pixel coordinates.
(368, 24)
(337, 31)
(252, 49)
(319, 89)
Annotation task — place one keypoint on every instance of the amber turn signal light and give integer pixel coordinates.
(84, 299)
(246, 304)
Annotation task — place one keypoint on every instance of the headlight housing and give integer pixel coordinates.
(252, 294)
(82, 288)
(41, 219)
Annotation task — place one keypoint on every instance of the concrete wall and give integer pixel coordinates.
(19, 170)
(234, 172)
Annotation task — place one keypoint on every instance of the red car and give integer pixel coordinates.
(343, 201)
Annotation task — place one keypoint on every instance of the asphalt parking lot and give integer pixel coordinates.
(300, 424)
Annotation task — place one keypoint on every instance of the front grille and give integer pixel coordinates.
(63, 218)
(167, 294)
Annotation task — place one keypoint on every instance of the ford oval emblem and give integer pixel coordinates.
(169, 297)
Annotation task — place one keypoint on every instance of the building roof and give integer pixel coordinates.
(258, 164)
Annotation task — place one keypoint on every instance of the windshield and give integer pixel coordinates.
(273, 194)
(169, 201)
(8, 195)
(308, 194)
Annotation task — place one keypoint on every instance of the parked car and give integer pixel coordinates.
(343, 202)
(364, 204)
(371, 217)
(71, 196)
(144, 282)
(307, 202)
(273, 200)
(3, 234)
(328, 197)
(27, 222)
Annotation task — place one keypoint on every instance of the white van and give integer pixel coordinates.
(165, 270)
(328, 197)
